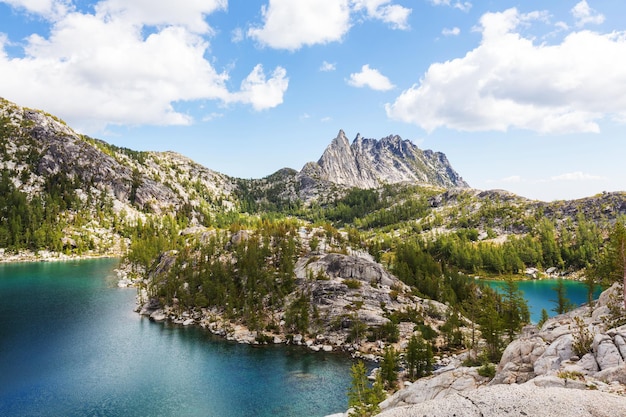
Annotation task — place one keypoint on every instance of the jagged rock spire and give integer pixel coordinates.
(369, 163)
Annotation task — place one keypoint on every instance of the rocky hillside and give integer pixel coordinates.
(36, 146)
(370, 163)
(337, 299)
(574, 364)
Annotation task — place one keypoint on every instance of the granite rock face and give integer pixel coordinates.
(517, 400)
(42, 148)
(442, 385)
(370, 163)
(345, 288)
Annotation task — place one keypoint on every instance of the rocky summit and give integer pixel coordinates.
(370, 163)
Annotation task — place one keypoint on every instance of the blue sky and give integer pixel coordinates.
(527, 96)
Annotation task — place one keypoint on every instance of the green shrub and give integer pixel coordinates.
(352, 284)
(263, 338)
(488, 370)
(575, 375)
(583, 338)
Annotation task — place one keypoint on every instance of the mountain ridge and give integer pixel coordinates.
(371, 163)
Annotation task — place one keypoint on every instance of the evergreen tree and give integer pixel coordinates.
(563, 304)
(491, 324)
(544, 317)
(515, 309)
(419, 357)
(611, 265)
(363, 399)
(389, 367)
(450, 330)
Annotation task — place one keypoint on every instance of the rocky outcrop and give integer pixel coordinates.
(573, 366)
(581, 342)
(351, 287)
(349, 296)
(441, 385)
(517, 400)
(370, 163)
(42, 149)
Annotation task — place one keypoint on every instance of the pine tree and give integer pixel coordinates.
(491, 324)
(543, 319)
(363, 400)
(389, 367)
(419, 357)
(515, 309)
(563, 304)
(611, 265)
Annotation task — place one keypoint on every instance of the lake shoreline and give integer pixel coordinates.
(49, 256)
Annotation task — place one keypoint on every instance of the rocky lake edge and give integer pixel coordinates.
(573, 365)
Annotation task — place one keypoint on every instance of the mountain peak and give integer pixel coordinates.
(341, 141)
(369, 163)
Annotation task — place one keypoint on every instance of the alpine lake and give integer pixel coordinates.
(71, 345)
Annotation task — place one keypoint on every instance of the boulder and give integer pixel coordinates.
(560, 350)
(614, 374)
(517, 362)
(436, 386)
(606, 353)
(158, 315)
(588, 362)
(620, 343)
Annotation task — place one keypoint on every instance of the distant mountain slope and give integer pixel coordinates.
(36, 147)
(370, 163)
(40, 155)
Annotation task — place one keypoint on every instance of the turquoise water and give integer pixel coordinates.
(540, 293)
(70, 345)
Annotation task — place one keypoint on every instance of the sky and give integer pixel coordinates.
(527, 96)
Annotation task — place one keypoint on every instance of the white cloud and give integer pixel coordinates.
(237, 35)
(372, 78)
(393, 14)
(585, 14)
(212, 116)
(289, 24)
(455, 31)
(560, 25)
(292, 24)
(327, 67)
(49, 9)
(509, 82)
(512, 179)
(99, 69)
(189, 13)
(261, 93)
(577, 176)
(464, 6)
